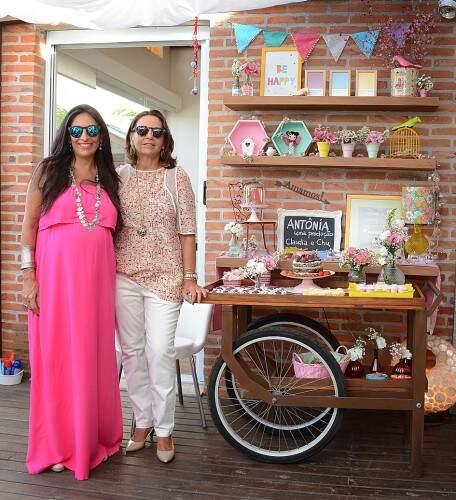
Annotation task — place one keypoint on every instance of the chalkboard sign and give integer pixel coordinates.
(309, 229)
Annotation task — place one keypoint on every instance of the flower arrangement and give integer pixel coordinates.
(376, 339)
(236, 72)
(322, 134)
(424, 83)
(233, 228)
(254, 267)
(269, 261)
(375, 136)
(356, 258)
(391, 240)
(346, 136)
(233, 274)
(358, 350)
(399, 351)
(249, 68)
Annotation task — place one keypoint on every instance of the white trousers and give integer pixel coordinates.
(146, 326)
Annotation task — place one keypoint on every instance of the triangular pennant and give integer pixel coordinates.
(336, 44)
(274, 38)
(365, 41)
(305, 43)
(399, 33)
(245, 34)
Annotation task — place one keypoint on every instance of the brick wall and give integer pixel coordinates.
(437, 132)
(22, 85)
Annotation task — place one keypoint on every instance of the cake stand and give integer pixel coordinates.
(306, 281)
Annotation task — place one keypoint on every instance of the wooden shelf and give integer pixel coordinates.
(334, 103)
(408, 164)
(415, 270)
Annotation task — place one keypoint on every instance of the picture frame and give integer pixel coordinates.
(318, 230)
(365, 217)
(315, 82)
(281, 71)
(366, 82)
(340, 82)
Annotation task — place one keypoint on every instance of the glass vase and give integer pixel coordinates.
(403, 369)
(236, 88)
(375, 366)
(393, 275)
(235, 246)
(247, 88)
(257, 281)
(354, 369)
(357, 275)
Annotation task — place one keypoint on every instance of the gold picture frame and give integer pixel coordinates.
(366, 82)
(315, 82)
(340, 82)
(361, 230)
(281, 71)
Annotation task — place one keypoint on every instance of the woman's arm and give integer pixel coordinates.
(192, 292)
(33, 207)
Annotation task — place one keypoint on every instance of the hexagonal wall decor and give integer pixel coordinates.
(250, 130)
(291, 138)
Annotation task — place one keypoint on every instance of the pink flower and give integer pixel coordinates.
(375, 137)
(249, 68)
(394, 239)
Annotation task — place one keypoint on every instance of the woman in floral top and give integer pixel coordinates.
(156, 260)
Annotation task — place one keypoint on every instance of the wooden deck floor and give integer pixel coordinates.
(366, 460)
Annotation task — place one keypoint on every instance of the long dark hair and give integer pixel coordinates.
(168, 143)
(54, 171)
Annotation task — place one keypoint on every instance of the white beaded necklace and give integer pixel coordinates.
(89, 225)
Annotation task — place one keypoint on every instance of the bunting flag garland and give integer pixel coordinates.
(365, 41)
(305, 43)
(245, 34)
(336, 44)
(274, 38)
(399, 33)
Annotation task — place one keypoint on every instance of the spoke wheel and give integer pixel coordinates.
(270, 433)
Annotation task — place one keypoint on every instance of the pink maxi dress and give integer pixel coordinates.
(75, 409)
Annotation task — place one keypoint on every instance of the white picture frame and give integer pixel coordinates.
(315, 82)
(366, 82)
(309, 229)
(281, 70)
(340, 82)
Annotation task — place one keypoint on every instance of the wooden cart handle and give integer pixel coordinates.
(438, 298)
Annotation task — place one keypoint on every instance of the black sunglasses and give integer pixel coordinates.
(76, 131)
(142, 130)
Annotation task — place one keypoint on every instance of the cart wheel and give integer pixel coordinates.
(311, 328)
(275, 434)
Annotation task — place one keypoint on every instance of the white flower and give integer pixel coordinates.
(385, 235)
(383, 251)
(356, 353)
(405, 353)
(398, 223)
(381, 261)
(381, 342)
(233, 228)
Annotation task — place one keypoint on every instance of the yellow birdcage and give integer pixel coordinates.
(404, 143)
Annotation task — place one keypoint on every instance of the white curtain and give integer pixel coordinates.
(113, 14)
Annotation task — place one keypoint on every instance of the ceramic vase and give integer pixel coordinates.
(354, 369)
(423, 92)
(323, 149)
(403, 369)
(372, 149)
(348, 149)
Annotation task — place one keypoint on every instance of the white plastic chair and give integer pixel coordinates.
(191, 333)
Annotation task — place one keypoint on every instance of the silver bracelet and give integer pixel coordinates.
(27, 257)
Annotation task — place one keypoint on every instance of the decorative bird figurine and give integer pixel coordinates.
(404, 63)
(411, 122)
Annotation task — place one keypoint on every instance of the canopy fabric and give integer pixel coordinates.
(116, 14)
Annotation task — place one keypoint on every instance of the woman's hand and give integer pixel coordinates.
(192, 292)
(30, 291)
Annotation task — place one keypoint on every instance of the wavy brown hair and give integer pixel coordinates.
(54, 170)
(168, 144)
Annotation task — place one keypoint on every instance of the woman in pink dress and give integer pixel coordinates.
(68, 261)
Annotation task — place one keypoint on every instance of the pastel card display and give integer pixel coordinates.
(339, 82)
(280, 71)
(366, 82)
(315, 82)
(418, 204)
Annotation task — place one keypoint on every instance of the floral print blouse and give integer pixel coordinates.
(162, 202)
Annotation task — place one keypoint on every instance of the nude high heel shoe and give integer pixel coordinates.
(57, 468)
(138, 445)
(166, 456)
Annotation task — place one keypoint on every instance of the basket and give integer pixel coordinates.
(11, 379)
(305, 368)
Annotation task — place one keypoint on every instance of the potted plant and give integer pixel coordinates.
(388, 247)
(348, 140)
(378, 343)
(424, 85)
(402, 356)
(355, 369)
(372, 139)
(324, 138)
(233, 278)
(236, 72)
(234, 229)
(249, 68)
(356, 259)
